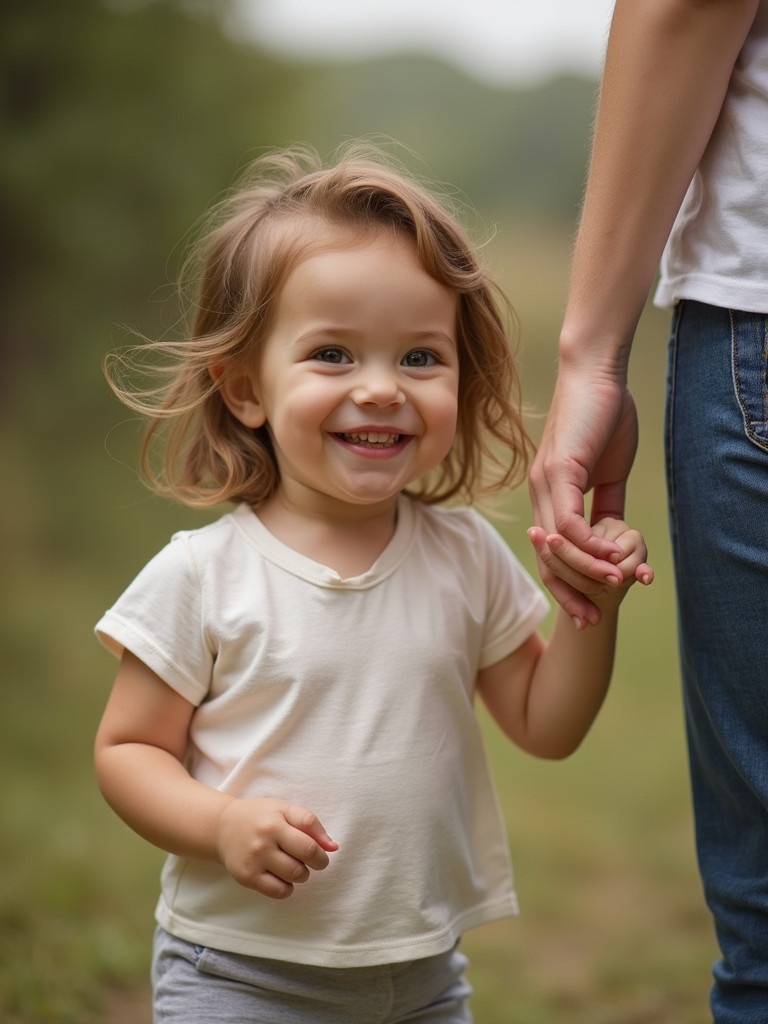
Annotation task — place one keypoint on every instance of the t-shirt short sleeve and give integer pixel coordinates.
(516, 603)
(159, 618)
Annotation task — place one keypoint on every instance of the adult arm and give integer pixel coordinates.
(141, 744)
(667, 68)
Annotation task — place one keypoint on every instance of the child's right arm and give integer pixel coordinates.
(266, 845)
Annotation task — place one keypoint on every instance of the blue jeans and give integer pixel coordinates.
(717, 466)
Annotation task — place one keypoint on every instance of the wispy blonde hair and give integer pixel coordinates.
(194, 449)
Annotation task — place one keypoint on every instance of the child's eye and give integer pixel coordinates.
(419, 357)
(331, 354)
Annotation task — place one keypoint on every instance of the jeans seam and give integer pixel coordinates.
(749, 424)
(675, 326)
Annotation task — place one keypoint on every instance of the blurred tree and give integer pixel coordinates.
(119, 126)
(507, 149)
(121, 121)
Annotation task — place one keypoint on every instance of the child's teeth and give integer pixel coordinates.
(372, 437)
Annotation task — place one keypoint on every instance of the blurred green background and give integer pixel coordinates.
(121, 122)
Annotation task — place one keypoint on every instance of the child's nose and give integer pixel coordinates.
(378, 386)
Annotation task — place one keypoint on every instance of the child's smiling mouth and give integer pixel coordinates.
(371, 438)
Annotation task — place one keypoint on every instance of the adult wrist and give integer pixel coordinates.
(599, 354)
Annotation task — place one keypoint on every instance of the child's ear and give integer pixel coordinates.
(240, 396)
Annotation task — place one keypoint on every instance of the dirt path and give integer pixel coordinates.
(130, 1007)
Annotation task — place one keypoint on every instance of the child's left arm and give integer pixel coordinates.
(546, 694)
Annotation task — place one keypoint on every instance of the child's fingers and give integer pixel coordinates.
(644, 574)
(309, 824)
(632, 565)
(271, 845)
(636, 570)
(294, 851)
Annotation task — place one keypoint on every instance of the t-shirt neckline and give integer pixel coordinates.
(280, 554)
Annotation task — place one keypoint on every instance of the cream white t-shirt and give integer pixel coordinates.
(353, 698)
(718, 249)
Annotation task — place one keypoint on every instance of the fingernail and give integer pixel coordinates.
(576, 621)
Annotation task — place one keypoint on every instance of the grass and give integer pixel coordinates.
(613, 925)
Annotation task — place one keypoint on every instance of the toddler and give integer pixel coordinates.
(292, 718)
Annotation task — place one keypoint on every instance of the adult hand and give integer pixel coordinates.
(271, 845)
(589, 443)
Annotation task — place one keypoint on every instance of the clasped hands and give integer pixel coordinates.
(589, 444)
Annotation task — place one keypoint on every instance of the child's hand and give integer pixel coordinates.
(633, 567)
(270, 845)
(630, 568)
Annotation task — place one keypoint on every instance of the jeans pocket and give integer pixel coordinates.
(749, 347)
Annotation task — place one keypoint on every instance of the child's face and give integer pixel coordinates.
(358, 378)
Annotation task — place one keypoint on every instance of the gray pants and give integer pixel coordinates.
(196, 985)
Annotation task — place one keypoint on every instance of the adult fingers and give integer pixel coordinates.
(568, 587)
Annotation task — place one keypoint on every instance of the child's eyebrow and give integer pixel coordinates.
(334, 332)
(431, 332)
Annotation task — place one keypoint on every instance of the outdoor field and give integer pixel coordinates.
(612, 926)
(99, 186)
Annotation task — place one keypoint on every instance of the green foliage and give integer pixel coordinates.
(120, 124)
